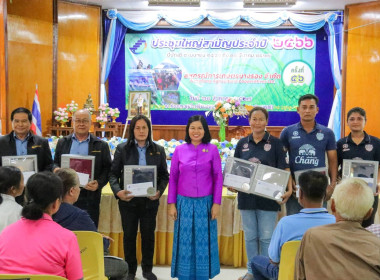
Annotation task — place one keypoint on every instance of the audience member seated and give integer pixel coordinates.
(11, 186)
(36, 244)
(375, 229)
(74, 218)
(344, 250)
(312, 192)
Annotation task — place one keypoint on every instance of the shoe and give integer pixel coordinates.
(131, 277)
(149, 275)
(247, 276)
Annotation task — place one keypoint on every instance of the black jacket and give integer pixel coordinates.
(36, 146)
(128, 155)
(97, 148)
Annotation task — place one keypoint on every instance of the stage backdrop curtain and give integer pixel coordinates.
(334, 30)
(140, 21)
(111, 49)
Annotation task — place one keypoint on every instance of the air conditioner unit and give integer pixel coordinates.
(193, 3)
(268, 3)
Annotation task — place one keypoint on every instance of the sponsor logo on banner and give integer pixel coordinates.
(138, 46)
(306, 156)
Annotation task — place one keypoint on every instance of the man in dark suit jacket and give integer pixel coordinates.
(81, 142)
(21, 141)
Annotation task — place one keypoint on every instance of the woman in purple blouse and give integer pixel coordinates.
(195, 194)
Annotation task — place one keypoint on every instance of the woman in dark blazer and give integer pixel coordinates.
(139, 150)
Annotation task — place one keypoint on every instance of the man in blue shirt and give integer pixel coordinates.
(313, 186)
(21, 141)
(308, 143)
(82, 142)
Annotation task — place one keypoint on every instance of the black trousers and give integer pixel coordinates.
(371, 219)
(131, 215)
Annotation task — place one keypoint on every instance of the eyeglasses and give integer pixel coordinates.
(84, 121)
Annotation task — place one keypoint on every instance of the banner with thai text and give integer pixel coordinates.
(193, 71)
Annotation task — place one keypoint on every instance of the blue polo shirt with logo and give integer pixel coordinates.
(268, 151)
(307, 150)
(368, 149)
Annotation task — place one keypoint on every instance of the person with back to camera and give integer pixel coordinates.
(259, 214)
(343, 250)
(36, 244)
(360, 145)
(11, 186)
(313, 186)
(195, 194)
(76, 219)
(139, 150)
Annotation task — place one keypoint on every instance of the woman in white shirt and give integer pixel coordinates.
(11, 185)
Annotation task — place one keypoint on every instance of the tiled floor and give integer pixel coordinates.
(226, 273)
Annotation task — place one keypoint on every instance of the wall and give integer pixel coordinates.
(3, 64)
(30, 56)
(79, 53)
(54, 44)
(361, 68)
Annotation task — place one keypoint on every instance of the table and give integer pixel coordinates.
(230, 232)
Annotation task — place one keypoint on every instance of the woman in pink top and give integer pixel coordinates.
(195, 194)
(36, 244)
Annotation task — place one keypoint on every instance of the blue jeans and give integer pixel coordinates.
(262, 268)
(258, 226)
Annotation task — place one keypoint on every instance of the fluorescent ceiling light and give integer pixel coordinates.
(268, 3)
(194, 3)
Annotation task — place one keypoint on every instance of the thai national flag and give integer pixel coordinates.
(36, 115)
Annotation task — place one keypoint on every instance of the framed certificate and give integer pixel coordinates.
(238, 174)
(297, 174)
(140, 180)
(364, 169)
(83, 165)
(270, 182)
(27, 164)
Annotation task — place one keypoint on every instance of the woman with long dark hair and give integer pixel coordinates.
(139, 150)
(11, 186)
(195, 195)
(359, 145)
(36, 244)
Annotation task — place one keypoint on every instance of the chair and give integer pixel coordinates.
(287, 260)
(91, 252)
(31, 277)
